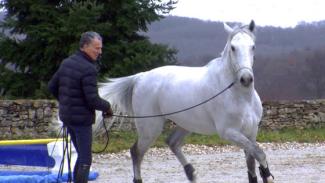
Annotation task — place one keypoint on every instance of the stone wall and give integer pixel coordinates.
(293, 114)
(37, 118)
(27, 118)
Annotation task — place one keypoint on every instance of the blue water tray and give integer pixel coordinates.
(26, 155)
(37, 177)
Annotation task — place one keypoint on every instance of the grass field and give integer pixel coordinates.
(121, 140)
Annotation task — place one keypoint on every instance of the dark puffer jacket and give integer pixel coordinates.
(75, 87)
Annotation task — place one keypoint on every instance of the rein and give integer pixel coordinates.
(179, 111)
(107, 136)
(158, 115)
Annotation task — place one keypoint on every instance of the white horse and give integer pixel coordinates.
(234, 114)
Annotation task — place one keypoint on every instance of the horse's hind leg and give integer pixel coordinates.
(251, 148)
(250, 161)
(136, 162)
(148, 131)
(175, 142)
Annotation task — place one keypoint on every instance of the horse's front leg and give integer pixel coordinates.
(250, 162)
(251, 148)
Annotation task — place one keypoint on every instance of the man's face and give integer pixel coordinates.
(93, 49)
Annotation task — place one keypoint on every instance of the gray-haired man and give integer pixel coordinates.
(74, 85)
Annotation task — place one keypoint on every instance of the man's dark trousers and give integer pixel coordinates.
(81, 137)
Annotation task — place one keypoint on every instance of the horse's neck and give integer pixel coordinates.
(220, 71)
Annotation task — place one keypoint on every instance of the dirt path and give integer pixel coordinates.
(289, 162)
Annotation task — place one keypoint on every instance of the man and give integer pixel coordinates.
(74, 85)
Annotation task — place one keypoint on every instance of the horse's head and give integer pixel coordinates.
(240, 52)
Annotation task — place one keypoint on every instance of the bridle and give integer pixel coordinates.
(236, 68)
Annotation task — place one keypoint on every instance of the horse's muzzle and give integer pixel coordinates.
(246, 79)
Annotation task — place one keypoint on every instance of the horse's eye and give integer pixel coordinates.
(253, 48)
(233, 48)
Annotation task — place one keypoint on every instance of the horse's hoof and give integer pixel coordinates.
(190, 172)
(194, 178)
(137, 180)
(266, 175)
(270, 179)
(252, 179)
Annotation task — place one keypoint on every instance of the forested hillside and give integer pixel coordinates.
(196, 38)
(290, 63)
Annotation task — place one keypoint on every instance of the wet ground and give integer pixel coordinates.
(289, 163)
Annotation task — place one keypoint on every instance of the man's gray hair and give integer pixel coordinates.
(86, 38)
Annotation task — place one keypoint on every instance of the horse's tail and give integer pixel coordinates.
(118, 91)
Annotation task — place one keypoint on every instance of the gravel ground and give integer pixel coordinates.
(289, 163)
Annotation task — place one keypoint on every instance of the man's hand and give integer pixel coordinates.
(108, 113)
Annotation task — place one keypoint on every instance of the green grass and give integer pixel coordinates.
(292, 135)
(122, 140)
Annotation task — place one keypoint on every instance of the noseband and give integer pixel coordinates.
(242, 68)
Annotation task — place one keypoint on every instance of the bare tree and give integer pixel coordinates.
(316, 67)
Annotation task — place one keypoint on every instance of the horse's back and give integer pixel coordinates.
(168, 79)
(176, 73)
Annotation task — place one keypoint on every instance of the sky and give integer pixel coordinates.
(279, 13)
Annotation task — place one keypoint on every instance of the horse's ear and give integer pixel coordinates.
(252, 26)
(227, 28)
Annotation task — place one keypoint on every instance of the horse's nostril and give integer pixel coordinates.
(250, 79)
(242, 80)
(246, 80)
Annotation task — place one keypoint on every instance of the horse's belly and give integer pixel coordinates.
(201, 126)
